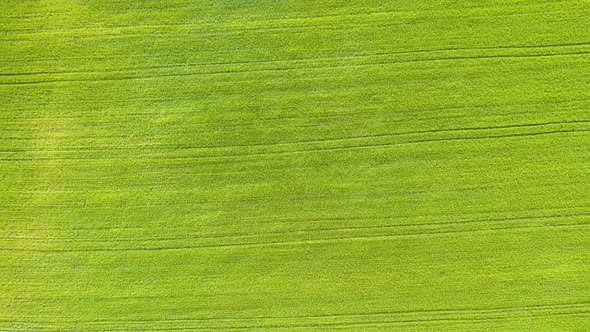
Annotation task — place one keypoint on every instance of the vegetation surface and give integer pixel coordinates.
(294, 165)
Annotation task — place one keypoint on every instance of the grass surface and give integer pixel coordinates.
(294, 165)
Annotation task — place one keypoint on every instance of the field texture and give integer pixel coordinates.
(294, 165)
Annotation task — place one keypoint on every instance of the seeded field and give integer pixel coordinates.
(219, 165)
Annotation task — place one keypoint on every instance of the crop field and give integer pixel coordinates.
(270, 165)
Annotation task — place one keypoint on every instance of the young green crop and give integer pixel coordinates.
(294, 165)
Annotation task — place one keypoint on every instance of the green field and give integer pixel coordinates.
(220, 165)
